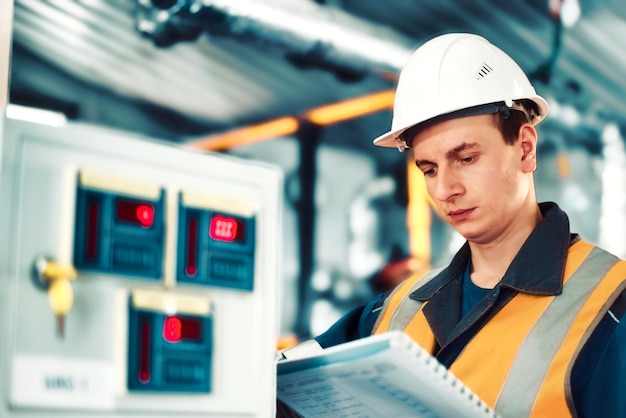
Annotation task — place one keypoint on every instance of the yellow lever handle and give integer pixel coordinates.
(60, 293)
(51, 270)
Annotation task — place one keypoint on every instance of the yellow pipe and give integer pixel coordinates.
(275, 128)
(289, 125)
(350, 109)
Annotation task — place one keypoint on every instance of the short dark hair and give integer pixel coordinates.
(510, 126)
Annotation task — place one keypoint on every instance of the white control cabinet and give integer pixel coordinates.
(137, 278)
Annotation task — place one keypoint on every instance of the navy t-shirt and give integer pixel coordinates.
(471, 293)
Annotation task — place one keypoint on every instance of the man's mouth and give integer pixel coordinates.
(460, 214)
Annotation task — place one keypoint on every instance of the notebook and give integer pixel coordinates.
(385, 375)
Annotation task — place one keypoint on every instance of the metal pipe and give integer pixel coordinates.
(310, 34)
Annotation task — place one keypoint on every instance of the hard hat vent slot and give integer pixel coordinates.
(483, 71)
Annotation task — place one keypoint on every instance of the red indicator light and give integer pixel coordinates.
(145, 215)
(138, 213)
(177, 329)
(223, 228)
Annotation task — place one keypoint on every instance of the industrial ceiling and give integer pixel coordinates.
(183, 70)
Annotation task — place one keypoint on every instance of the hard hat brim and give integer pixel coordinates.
(392, 139)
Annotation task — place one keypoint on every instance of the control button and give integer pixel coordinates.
(185, 372)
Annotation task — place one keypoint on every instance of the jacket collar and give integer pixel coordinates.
(536, 269)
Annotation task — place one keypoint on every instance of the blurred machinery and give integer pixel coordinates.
(136, 278)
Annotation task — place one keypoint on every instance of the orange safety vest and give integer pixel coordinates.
(520, 362)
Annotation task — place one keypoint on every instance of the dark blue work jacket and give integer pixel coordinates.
(598, 378)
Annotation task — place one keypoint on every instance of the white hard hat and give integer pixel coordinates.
(453, 72)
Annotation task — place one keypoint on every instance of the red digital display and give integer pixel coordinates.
(138, 213)
(176, 329)
(223, 228)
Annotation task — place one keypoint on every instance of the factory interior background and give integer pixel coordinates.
(305, 86)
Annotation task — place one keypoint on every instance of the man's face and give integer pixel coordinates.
(479, 184)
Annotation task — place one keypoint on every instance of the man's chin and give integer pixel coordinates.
(469, 235)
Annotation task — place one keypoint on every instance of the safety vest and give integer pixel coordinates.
(520, 362)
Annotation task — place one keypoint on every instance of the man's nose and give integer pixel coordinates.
(447, 185)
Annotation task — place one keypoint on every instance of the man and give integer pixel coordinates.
(527, 315)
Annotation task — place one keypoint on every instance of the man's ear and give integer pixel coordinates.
(528, 142)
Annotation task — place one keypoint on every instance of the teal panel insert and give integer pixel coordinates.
(215, 248)
(169, 353)
(118, 234)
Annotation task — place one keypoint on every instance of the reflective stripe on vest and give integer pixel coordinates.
(399, 312)
(525, 350)
(587, 305)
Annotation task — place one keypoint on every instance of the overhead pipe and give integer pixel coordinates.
(310, 34)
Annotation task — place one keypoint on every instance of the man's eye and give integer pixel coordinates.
(429, 172)
(468, 159)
